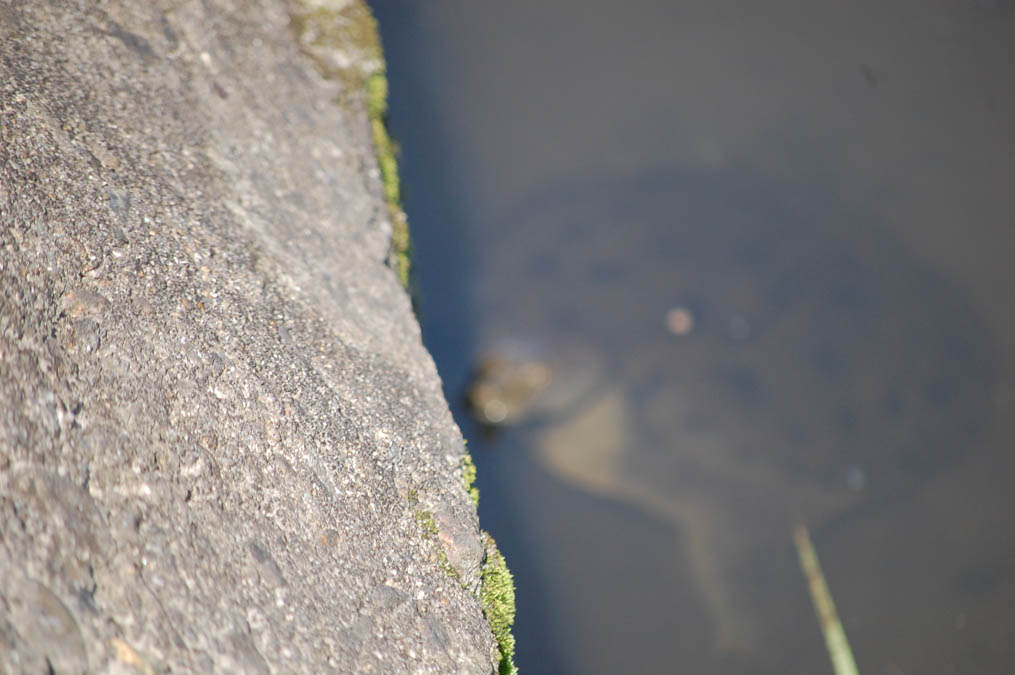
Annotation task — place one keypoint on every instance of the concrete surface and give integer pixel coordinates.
(223, 447)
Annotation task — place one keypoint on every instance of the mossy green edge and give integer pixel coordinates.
(497, 596)
(350, 31)
(497, 586)
(469, 477)
(377, 109)
(353, 27)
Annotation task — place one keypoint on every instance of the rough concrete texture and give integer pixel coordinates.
(223, 447)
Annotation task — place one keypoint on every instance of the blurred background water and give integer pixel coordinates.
(765, 251)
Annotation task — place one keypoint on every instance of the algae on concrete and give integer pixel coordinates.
(469, 477)
(341, 39)
(498, 599)
(326, 31)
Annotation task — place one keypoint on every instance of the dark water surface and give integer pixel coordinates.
(766, 254)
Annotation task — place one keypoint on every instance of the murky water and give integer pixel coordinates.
(765, 256)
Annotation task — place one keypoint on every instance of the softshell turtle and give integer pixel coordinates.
(729, 354)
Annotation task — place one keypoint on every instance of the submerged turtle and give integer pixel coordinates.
(729, 355)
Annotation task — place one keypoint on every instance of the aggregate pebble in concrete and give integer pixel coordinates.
(219, 430)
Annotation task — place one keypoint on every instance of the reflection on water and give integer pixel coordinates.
(804, 318)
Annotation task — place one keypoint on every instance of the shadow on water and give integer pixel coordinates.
(443, 271)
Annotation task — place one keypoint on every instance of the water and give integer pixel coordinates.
(823, 192)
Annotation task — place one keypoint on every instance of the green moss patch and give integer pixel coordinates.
(341, 39)
(428, 526)
(377, 108)
(469, 477)
(426, 523)
(497, 596)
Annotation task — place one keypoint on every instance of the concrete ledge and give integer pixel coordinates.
(223, 447)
